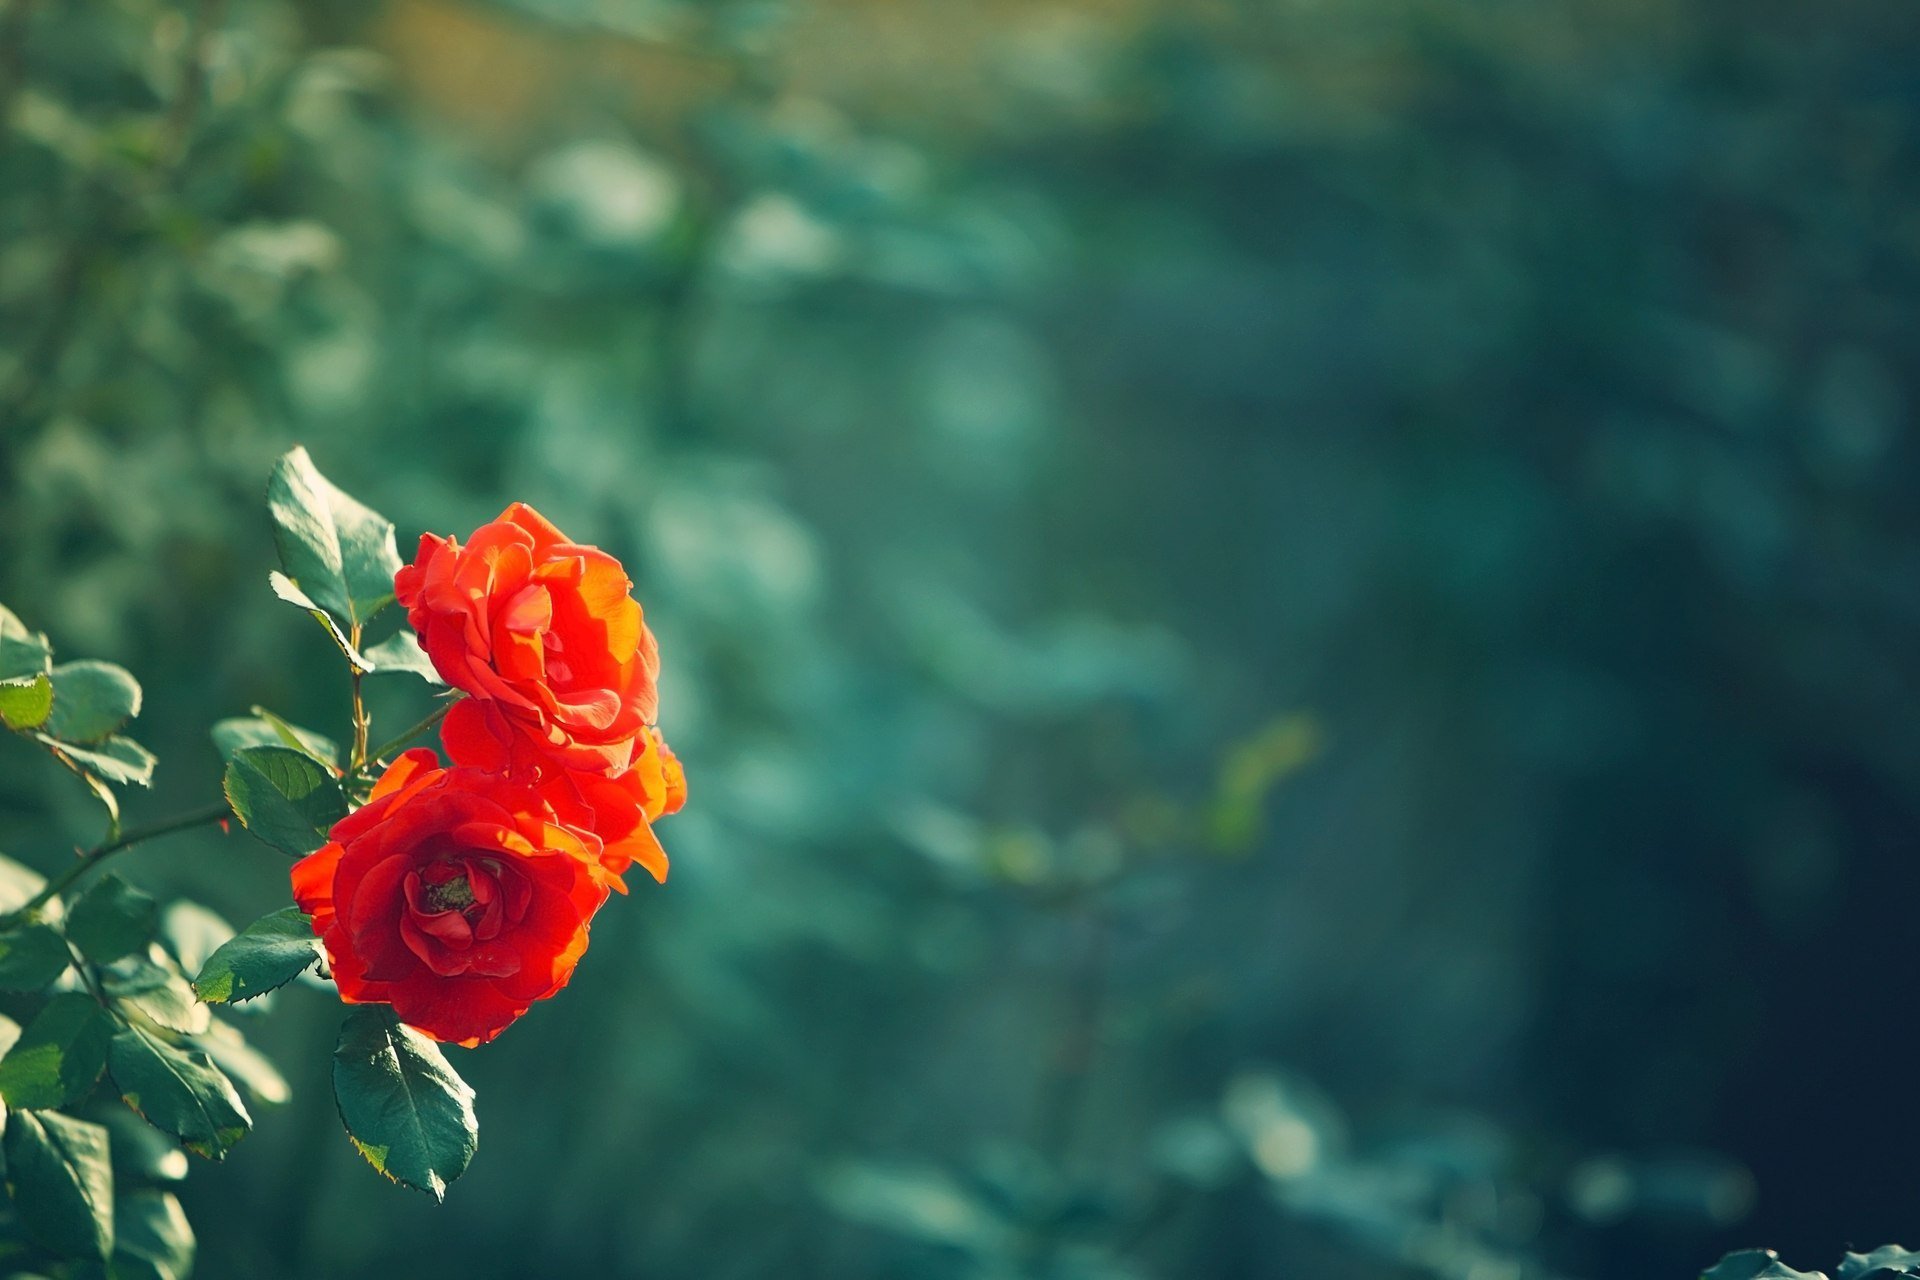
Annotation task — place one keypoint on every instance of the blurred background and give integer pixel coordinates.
(1292, 624)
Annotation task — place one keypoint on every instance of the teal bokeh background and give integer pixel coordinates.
(1292, 625)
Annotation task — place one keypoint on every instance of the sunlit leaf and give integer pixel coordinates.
(338, 552)
(25, 703)
(269, 953)
(58, 1056)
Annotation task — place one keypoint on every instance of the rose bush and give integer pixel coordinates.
(441, 901)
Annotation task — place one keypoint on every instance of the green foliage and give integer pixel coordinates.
(406, 1109)
(284, 796)
(61, 1180)
(267, 954)
(58, 1056)
(179, 1091)
(112, 919)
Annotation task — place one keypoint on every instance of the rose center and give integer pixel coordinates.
(451, 895)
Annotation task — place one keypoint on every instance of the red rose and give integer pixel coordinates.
(452, 895)
(613, 816)
(545, 635)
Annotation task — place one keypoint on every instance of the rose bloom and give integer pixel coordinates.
(614, 816)
(452, 895)
(546, 636)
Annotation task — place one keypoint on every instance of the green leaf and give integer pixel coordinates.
(91, 700)
(31, 955)
(152, 1239)
(117, 759)
(406, 1109)
(22, 652)
(288, 590)
(284, 797)
(265, 729)
(1757, 1264)
(154, 988)
(179, 1091)
(1888, 1259)
(191, 933)
(112, 919)
(240, 1060)
(339, 552)
(59, 1055)
(269, 953)
(25, 703)
(401, 651)
(62, 1182)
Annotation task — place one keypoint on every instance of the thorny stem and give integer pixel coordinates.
(359, 759)
(125, 840)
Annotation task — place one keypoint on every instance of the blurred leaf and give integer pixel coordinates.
(59, 1055)
(111, 919)
(269, 953)
(31, 956)
(401, 652)
(919, 1203)
(62, 1182)
(120, 760)
(339, 553)
(140, 1151)
(91, 700)
(1251, 770)
(152, 1239)
(284, 797)
(179, 1091)
(26, 703)
(156, 989)
(264, 729)
(406, 1109)
(1888, 1260)
(240, 1060)
(191, 933)
(19, 885)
